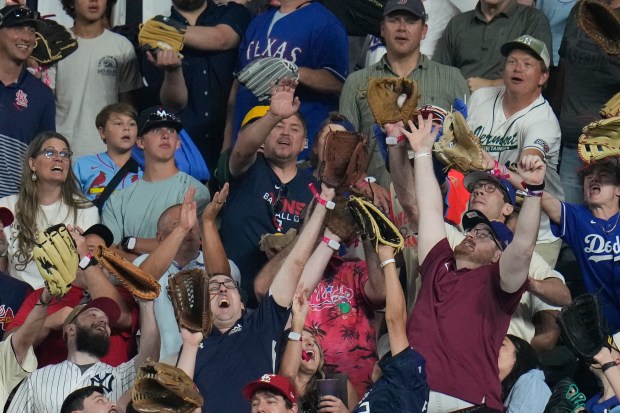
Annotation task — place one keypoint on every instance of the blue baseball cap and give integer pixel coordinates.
(471, 179)
(500, 231)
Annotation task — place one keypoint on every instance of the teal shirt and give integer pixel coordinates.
(472, 44)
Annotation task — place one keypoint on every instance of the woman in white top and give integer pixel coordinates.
(49, 195)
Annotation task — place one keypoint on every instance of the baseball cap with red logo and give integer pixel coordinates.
(272, 382)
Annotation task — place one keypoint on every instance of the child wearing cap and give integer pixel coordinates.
(118, 127)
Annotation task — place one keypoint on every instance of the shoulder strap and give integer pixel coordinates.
(130, 166)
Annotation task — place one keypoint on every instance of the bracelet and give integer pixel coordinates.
(533, 187)
(393, 140)
(331, 243)
(608, 365)
(531, 193)
(422, 155)
(368, 180)
(388, 261)
(327, 204)
(43, 303)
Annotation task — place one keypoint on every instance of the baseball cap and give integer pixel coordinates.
(14, 15)
(414, 7)
(271, 382)
(105, 304)
(6, 216)
(527, 42)
(255, 113)
(500, 231)
(103, 231)
(471, 179)
(157, 116)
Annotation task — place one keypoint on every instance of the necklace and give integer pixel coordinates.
(612, 228)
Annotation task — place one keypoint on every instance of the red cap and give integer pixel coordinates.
(271, 382)
(105, 304)
(6, 216)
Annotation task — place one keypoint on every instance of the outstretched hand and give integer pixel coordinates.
(532, 169)
(216, 204)
(187, 215)
(284, 103)
(300, 306)
(421, 139)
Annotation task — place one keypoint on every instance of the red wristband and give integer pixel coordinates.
(327, 204)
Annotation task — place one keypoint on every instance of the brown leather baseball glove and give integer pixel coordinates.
(392, 99)
(601, 23)
(345, 159)
(134, 279)
(189, 293)
(160, 387)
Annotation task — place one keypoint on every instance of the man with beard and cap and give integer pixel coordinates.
(87, 334)
(90, 283)
(89, 399)
(467, 295)
(26, 104)
(213, 33)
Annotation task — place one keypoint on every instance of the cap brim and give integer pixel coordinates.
(510, 46)
(473, 177)
(102, 231)
(150, 125)
(105, 304)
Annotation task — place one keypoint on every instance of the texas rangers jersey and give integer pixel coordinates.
(46, 388)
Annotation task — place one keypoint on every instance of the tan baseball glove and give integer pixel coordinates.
(458, 147)
(612, 107)
(162, 33)
(392, 99)
(56, 257)
(600, 140)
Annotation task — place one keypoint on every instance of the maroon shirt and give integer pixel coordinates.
(458, 324)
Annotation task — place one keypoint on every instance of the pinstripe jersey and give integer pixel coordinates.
(46, 388)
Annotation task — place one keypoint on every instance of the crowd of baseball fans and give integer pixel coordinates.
(161, 155)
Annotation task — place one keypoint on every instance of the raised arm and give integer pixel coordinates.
(428, 195)
(321, 80)
(316, 265)
(286, 279)
(173, 93)
(283, 105)
(375, 287)
(158, 262)
(552, 207)
(220, 37)
(515, 260)
(213, 251)
(291, 359)
(25, 336)
(395, 308)
(149, 334)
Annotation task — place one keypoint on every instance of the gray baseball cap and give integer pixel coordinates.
(527, 42)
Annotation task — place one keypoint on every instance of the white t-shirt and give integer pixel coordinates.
(57, 213)
(505, 138)
(89, 79)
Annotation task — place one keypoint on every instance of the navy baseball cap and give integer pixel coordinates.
(471, 179)
(157, 116)
(414, 7)
(500, 231)
(11, 16)
(103, 231)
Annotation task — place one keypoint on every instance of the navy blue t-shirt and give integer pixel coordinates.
(402, 388)
(208, 76)
(259, 203)
(27, 108)
(12, 295)
(225, 363)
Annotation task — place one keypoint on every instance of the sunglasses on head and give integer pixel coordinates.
(18, 13)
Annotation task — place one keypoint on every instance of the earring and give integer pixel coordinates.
(34, 176)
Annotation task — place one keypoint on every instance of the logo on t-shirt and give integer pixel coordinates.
(6, 316)
(107, 66)
(105, 382)
(598, 249)
(21, 99)
(497, 143)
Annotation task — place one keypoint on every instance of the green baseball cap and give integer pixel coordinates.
(527, 42)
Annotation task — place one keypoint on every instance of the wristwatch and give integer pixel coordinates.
(293, 336)
(128, 243)
(86, 262)
(331, 243)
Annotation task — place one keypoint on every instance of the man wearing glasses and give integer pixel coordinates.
(266, 188)
(467, 295)
(26, 105)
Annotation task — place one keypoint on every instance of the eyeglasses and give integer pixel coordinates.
(214, 286)
(52, 153)
(19, 13)
(483, 233)
(489, 187)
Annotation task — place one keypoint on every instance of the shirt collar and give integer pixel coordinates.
(422, 63)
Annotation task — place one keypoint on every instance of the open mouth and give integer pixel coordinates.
(307, 355)
(286, 142)
(595, 189)
(223, 303)
(516, 79)
(57, 168)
